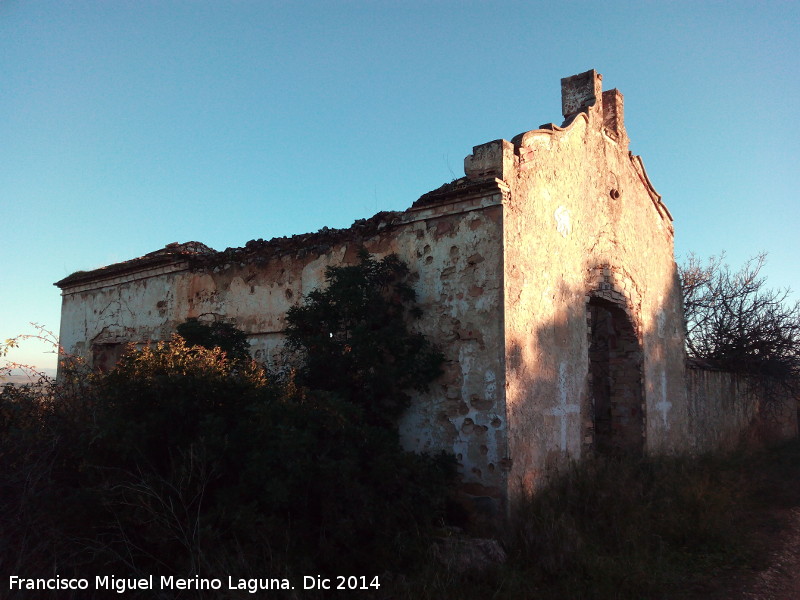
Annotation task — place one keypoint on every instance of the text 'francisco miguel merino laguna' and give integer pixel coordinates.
(124, 584)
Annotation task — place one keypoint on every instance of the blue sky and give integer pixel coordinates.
(129, 125)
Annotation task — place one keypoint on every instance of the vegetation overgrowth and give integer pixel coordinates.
(621, 528)
(354, 341)
(190, 459)
(607, 528)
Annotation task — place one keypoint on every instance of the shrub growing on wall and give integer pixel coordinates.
(354, 338)
(225, 336)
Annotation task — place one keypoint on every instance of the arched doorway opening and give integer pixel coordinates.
(615, 380)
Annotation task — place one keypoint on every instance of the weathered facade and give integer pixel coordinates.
(546, 275)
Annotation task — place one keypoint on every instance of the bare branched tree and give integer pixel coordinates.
(734, 322)
(33, 374)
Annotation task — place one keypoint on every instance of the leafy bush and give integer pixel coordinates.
(287, 455)
(225, 336)
(169, 396)
(354, 339)
(190, 458)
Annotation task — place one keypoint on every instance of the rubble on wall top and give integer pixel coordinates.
(169, 254)
(187, 248)
(198, 255)
(446, 188)
(303, 244)
(456, 188)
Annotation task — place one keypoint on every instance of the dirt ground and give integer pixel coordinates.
(780, 579)
(773, 570)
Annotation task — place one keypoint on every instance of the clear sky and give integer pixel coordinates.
(128, 125)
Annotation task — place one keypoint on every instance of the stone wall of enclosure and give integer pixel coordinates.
(727, 410)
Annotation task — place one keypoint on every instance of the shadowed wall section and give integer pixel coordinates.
(727, 409)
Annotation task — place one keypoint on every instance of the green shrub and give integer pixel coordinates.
(169, 396)
(176, 424)
(225, 336)
(354, 340)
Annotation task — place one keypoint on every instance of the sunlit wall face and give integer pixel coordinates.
(589, 248)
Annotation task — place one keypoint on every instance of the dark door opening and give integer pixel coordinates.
(615, 367)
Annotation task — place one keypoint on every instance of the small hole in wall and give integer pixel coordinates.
(615, 194)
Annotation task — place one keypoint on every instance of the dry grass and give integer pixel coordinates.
(623, 529)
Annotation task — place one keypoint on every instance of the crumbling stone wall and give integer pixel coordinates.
(454, 252)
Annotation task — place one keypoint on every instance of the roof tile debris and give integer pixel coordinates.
(199, 256)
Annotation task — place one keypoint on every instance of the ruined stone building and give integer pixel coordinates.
(546, 275)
